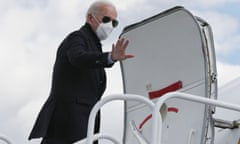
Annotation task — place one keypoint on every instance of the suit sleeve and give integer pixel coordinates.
(79, 54)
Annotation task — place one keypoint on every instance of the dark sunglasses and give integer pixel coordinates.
(107, 19)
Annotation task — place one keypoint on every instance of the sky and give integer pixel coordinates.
(31, 31)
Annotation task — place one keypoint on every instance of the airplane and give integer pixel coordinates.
(170, 87)
(227, 131)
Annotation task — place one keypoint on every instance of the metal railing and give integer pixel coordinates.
(90, 134)
(3, 138)
(157, 118)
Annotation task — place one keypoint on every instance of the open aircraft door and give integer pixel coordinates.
(173, 52)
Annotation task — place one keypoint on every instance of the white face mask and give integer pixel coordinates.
(104, 30)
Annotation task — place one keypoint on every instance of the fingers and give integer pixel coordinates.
(113, 47)
(122, 43)
(125, 44)
(129, 56)
(113, 53)
(119, 49)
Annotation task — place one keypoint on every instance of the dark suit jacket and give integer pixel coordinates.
(78, 82)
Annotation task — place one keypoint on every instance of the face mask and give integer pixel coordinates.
(104, 30)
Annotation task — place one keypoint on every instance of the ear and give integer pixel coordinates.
(89, 18)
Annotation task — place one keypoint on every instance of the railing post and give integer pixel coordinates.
(2, 138)
(98, 105)
(157, 120)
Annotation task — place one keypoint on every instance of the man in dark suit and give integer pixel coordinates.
(79, 79)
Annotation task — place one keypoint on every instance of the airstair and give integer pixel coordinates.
(157, 116)
(174, 81)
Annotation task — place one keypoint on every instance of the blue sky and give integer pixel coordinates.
(232, 9)
(31, 30)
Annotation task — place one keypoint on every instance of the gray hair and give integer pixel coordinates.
(95, 7)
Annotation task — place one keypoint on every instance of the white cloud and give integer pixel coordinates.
(227, 72)
(30, 35)
(215, 2)
(198, 3)
(225, 31)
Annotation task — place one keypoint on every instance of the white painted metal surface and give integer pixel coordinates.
(169, 48)
(157, 130)
(157, 126)
(230, 93)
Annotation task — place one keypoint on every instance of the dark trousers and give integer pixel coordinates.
(57, 141)
(60, 141)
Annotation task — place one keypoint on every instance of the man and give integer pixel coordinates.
(79, 78)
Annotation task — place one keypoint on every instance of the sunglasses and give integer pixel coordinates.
(107, 19)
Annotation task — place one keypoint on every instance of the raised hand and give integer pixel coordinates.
(119, 50)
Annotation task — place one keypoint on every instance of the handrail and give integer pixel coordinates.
(99, 104)
(5, 139)
(157, 119)
(137, 134)
(99, 136)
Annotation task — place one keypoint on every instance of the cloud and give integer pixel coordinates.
(225, 31)
(24, 61)
(215, 2)
(30, 35)
(227, 72)
(196, 4)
